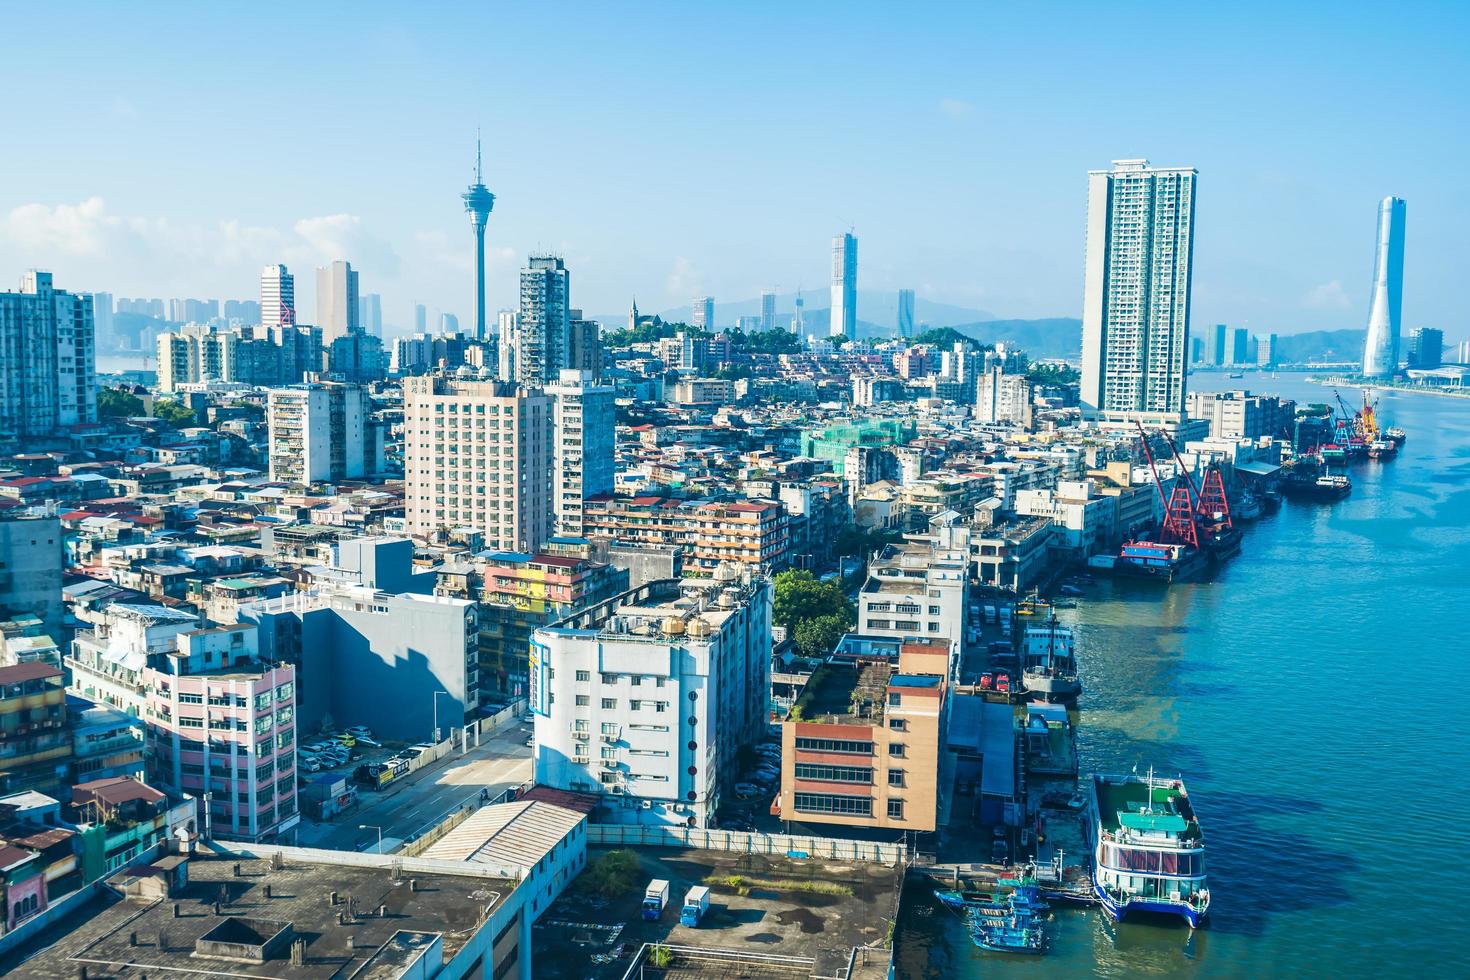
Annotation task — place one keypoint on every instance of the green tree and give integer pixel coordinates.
(612, 875)
(733, 372)
(1054, 374)
(801, 596)
(817, 637)
(948, 337)
(175, 414)
(859, 542)
(115, 403)
(766, 341)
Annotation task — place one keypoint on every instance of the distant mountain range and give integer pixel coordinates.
(1320, 345)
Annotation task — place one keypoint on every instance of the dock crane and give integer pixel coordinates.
(1179, 507)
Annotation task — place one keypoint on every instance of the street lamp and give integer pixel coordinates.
(437, 695)
(370, 826)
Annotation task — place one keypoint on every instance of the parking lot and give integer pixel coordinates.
(412, 803)
(748, 805)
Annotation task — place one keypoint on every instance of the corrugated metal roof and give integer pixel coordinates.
(509, 835)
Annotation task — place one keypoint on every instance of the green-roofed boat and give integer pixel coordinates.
(1148, 852)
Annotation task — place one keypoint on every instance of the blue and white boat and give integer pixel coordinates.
(1148, 851)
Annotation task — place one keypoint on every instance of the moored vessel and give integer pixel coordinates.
(1327, 487)
(1161, 562)
(1049, 662)
(1148, 851)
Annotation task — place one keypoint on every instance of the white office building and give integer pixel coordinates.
(905, 313)
(1135, 311)
(844, 286)
(702, 314)
(337, 303)
(1381, 346)
(917, 589)
(584, 423)
(323, 432)
(277, 296)
(649, 700)
(477, 454)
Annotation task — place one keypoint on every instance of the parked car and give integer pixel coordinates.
(528, 719)
(359, 731)
(347, 740)
(418, 748)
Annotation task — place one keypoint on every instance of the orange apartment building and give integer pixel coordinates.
(862, 746)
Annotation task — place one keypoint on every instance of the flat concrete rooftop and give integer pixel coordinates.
(767, 911)
(100, 935)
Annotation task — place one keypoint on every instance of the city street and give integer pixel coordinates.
(411, 806)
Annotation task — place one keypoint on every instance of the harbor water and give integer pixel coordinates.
(1313, 696)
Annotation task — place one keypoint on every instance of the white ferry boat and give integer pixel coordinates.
(1148, 852)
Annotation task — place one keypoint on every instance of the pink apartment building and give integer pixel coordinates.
(222, 728)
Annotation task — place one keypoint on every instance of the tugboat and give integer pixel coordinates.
(1148, 851)
(1383, 449)
(1395, 435)
(1049, 663)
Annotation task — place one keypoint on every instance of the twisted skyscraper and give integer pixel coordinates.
(1381, 350)
(477, 204)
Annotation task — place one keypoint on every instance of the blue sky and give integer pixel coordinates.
(668, 150)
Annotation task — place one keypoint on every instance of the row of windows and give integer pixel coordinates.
(859, 806)
(834, 774)
(834, 745)
(611, 704)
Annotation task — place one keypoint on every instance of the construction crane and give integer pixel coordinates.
(1179, 507)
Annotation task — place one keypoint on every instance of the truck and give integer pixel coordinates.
(655, 897)
(696, 903)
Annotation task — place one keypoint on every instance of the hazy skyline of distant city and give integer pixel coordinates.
(666, 170)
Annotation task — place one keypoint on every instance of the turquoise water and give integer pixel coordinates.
(1313, 697)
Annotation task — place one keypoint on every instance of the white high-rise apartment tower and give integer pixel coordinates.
(277, 296)
(477, 454)
(1135, 307)
(543, 321)
(844, 286)
(583, 417)
(323, 432)
(337, 301)
(47, 361)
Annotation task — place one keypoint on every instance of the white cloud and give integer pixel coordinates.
(1328, 296)
(342, 236)
(70, 229)
(956, 108)
(685, 281)
(87, 236)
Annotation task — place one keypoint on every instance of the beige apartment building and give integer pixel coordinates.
(477, 454)
(862, 745)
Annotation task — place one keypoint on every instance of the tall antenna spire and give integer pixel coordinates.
(477, 155)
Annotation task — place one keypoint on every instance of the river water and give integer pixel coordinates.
(1313, 698)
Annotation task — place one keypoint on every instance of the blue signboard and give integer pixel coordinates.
(540, 690)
